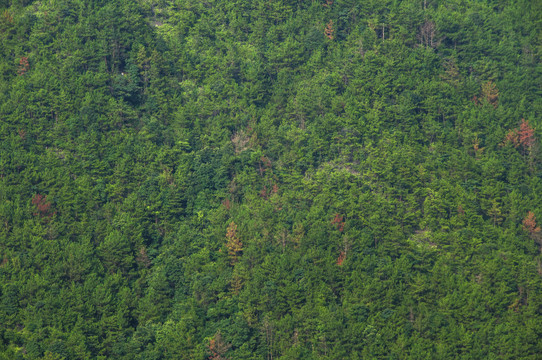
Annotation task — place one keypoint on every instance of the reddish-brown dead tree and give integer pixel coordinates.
(23, 66)
(338, 221)
(530, 226)
(217, 347)
(341, 258)
(43, 206)
(263, 192)
(328, 31)
(512, 137)
(227, 203)
(526, 134)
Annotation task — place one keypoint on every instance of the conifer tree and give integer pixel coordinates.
(233, 243)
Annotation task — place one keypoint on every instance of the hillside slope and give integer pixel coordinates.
(270, 179)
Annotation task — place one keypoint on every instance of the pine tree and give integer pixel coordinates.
(490, 93)
(233, 243)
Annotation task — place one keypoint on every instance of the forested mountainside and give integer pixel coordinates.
(331, 179)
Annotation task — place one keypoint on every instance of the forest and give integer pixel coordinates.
(270, 179)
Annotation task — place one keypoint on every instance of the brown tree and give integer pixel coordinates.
(527, 138)
(338, 221)
(6, 18)
(524, 137)
(227, 203)
(529, 224)
(43, 207)
(341, 258)
(23, 66)
(512, 138)
(526, 134)
(428, 34)
(218, 347)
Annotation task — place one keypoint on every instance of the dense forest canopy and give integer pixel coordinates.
(326, 179)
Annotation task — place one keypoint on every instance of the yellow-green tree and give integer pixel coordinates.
(233, 243)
